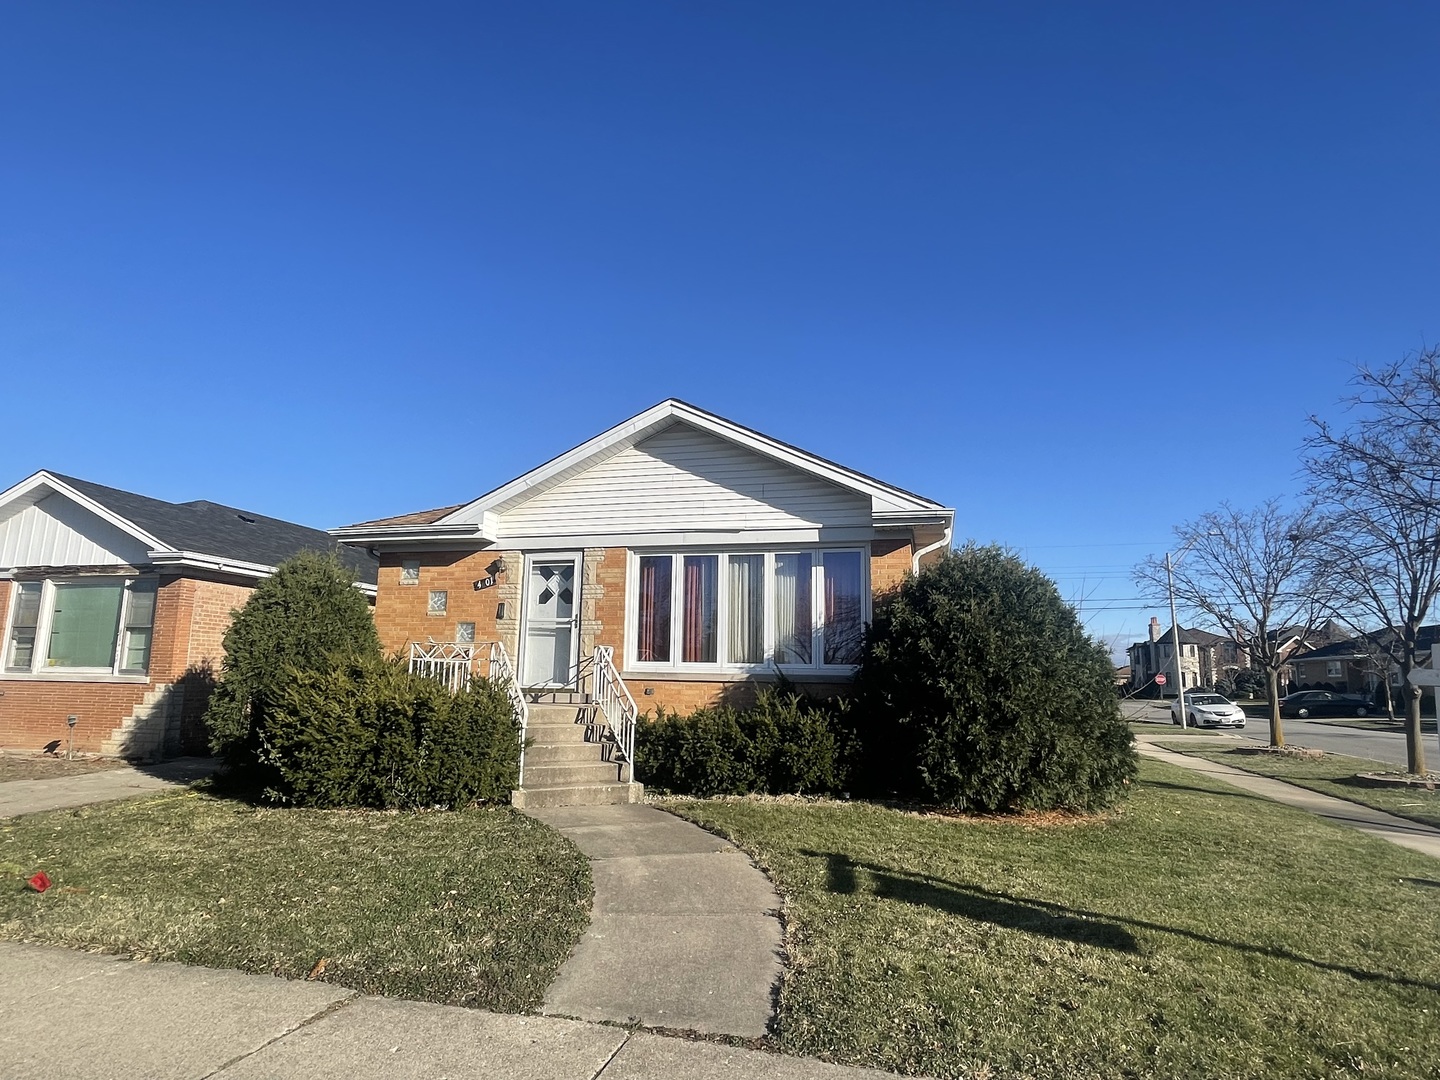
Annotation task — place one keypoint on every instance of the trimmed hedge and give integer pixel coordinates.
(981, 690)
(364, 732)
(785, 744)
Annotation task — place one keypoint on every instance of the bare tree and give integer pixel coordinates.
(1251, 573)
(1379, 479)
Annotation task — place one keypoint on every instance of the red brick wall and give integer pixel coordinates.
(191, 617)
(401, 611)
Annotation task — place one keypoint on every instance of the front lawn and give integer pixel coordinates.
(1196, 932)
(477, 908)
(1334, 774)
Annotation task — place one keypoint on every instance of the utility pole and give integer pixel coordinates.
(1175, 645)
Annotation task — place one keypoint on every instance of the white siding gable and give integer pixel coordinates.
(56, 532)
(685, 480)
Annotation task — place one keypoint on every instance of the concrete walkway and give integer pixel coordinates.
(684, 932)
(53, 793)
(1402, 831)
(78, 1016)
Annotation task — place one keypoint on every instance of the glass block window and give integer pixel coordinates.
(410, 572)
(439, 601)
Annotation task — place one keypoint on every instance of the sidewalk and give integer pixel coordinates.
(31, 796)
(1402, 831)
(684, 931)
(82, 1016)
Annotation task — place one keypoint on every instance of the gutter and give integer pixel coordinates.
(944, 540)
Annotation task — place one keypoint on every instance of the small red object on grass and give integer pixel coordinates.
(39, 882)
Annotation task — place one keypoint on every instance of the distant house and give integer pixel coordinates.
(1205, 658)
(115, 605)
(1357, 665)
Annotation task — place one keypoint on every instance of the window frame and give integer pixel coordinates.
(722, 664)
(40, 668)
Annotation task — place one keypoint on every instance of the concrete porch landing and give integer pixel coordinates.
(684, 932)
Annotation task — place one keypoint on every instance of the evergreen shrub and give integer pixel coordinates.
(979, 689)
(786, 743)
(299, 619)
(364, 732)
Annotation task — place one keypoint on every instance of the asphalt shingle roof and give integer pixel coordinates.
(214, 529)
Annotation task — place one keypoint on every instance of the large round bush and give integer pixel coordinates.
(300, 618)
(980, 689)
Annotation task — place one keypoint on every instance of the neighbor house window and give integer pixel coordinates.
(795, 609)
(86, 625)
(410, 572)
(1333, 669)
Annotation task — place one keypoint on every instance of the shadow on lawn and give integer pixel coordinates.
(1051, 919)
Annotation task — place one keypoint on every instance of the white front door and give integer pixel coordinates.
(552, 619)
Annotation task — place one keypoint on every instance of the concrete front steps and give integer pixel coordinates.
(567, 762)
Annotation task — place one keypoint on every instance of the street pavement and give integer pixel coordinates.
(1333, 738)
(68, 1015)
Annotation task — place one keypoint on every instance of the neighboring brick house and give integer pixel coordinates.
(1205, 658)
(709, 557)
(1356, 665)
(115, 607)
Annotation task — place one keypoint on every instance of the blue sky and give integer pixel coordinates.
(1080, 271)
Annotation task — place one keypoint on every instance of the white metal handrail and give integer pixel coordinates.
(614, 703)
(452, 664)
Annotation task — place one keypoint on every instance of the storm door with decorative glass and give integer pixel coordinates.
(552, 619)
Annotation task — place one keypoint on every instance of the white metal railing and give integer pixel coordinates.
(614, 705)
(453, 665)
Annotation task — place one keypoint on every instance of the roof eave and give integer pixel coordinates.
(219, 564)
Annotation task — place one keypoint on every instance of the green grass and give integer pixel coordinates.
(476, 908)
(1196, 932)
(1334, 774)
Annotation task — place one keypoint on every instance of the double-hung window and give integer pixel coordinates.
(742, 610)
(87, 626)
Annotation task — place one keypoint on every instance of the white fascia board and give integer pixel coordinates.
(48, 480)
(914, 517)
(194, 560)
(891, 499)
(382, 534)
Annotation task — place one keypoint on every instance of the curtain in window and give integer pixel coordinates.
(85, 625)
(792, 608)
(653, 640)
(843, 628)
(747, 609)
(699, 638)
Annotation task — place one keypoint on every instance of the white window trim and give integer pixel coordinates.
(38, 668)
(722, 611)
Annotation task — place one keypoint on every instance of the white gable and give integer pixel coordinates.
(684, 480)
(54, 531)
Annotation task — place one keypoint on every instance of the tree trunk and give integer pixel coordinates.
(1414, 747)
(1272, 689)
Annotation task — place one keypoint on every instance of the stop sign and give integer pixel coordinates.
(1160, 679)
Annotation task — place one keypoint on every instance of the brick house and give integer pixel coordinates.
(678, 555)
(1357, 665)
(1205, 658)
(115, 606)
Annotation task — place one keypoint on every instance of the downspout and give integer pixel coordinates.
(943, 541)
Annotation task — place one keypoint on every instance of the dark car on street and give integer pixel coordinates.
(1306, 703)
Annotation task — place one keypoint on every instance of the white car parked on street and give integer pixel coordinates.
(1208, 710)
